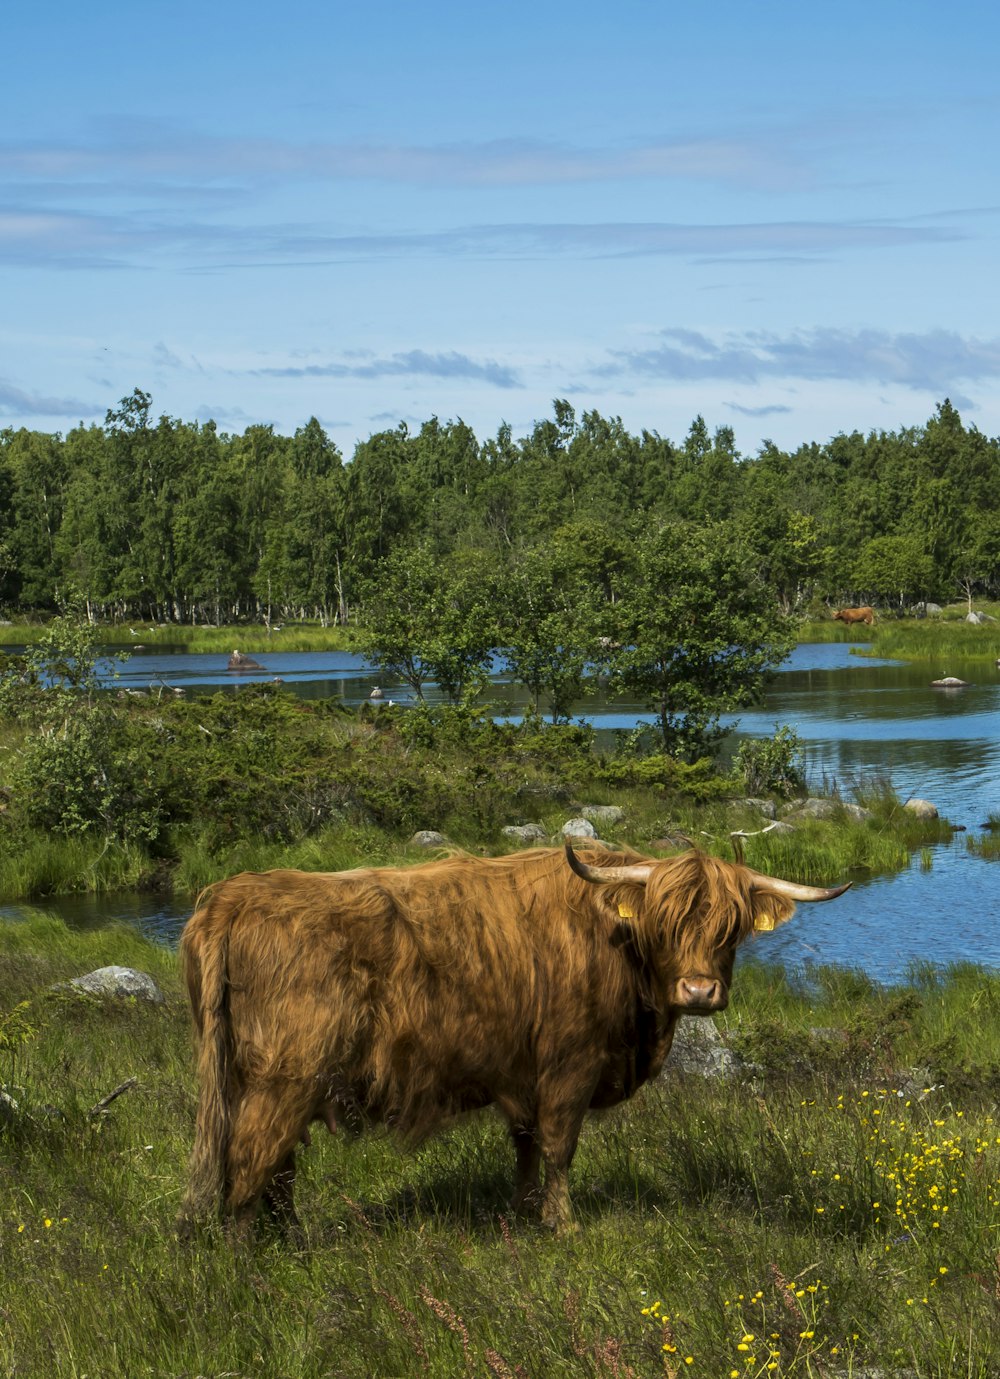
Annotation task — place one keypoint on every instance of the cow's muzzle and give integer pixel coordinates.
(700, 995)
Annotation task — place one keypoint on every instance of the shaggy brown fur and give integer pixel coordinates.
(409, 996)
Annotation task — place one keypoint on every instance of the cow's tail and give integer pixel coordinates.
(205, 953)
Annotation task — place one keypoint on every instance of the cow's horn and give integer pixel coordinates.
(793, 890)
(638, 874)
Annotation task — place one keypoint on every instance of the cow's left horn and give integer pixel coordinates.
(793, 891)
(638, 874)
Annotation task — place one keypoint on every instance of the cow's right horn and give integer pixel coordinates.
(793, 890)
(638, 873)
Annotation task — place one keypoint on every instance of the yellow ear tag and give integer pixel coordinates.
(764, 923)
(626, 911)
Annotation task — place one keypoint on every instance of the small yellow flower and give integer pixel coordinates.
(943, 1269)
(48, 1222)
(807, 1335)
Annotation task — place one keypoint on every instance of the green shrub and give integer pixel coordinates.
(772, 766)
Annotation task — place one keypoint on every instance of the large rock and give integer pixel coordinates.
(527, 835)
(604, 815)
(813, 808)
(238, 661)
(118, 981)
(922, 808)
(428, 838)
(579, 828)
(759, 806)
(698, 1050)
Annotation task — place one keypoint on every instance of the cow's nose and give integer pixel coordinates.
(701, 993)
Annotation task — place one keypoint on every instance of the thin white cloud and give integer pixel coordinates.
(154, 153)
(33, 238)
(934, 360)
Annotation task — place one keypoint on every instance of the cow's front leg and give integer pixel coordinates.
(558, 1132)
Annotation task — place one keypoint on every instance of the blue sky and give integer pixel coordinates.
(781, 216)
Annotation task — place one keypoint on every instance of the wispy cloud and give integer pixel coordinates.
(769, 411)
(17, 402)
(406, 363)
(70, 239)
(156, 153)
(933, 360)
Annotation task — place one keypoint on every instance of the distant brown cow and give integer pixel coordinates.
(849, 615)
(538, 983)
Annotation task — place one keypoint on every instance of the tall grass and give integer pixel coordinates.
(940, 643)
(806, 1212)
(50, 864)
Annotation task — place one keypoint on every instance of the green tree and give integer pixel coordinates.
(700, 633)
(977, 564)
(428, 619)
(893, 567)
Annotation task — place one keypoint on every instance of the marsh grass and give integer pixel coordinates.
(942, 643)
(48, 864)
(985, 845)
(710, 1212)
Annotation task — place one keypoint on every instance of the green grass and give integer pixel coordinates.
(944, 638)
(44, 864)
(709, 1212)
(937, 642)
(249, 637)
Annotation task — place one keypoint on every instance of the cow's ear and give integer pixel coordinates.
(770, 912)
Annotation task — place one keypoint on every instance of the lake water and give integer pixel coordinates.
(856, 716)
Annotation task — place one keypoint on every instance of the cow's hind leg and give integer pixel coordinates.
(279, 1199)
(527, 1189)
(261, 1161)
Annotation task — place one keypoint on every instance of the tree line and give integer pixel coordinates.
(164, 520)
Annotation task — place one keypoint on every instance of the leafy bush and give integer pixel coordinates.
(772, 766)
(93, 772)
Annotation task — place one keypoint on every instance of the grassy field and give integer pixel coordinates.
(249, 637)
(918, 639)
(835, 1208)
